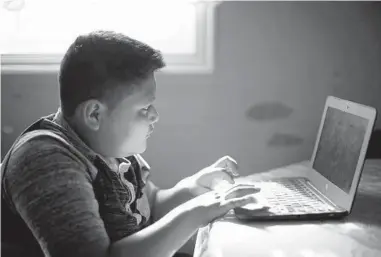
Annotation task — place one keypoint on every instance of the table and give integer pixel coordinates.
(359, 234)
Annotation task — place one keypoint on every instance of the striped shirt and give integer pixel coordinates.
(59, 198)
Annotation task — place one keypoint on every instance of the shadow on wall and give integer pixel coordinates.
(273, 111)
(268, 111)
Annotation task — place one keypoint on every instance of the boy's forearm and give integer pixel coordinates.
(163, 238)
(168, 199)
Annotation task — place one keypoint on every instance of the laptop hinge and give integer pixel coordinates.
(324, 197)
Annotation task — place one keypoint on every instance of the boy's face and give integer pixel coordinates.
(125, 129)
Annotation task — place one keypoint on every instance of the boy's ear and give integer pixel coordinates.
(93, 113)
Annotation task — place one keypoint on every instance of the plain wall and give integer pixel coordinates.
(276, 62)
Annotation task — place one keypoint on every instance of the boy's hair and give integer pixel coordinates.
(100, 63)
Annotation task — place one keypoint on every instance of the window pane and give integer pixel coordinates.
(46, 26)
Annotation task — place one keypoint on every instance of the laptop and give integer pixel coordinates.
(326, 188)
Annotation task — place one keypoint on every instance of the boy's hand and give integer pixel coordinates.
(212, 205)
(223, 170)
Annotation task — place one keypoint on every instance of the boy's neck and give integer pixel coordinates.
(112, 163)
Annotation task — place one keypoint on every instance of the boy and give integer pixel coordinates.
(74, 183)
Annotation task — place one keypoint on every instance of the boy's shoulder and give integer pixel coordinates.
(39, 147)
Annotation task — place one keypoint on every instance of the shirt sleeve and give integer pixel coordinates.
(51, 190)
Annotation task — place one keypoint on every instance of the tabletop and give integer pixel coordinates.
(358, 234)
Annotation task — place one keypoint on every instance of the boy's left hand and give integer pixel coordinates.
(223, 170)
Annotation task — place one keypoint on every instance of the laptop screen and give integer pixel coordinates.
(339, 147)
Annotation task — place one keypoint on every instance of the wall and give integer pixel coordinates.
(275, 64)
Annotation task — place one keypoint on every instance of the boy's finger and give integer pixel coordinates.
(241, 191)
(232, 166)
(227, 175)
(221, 174)
(229, 163)
(239, 202)
(232, 171)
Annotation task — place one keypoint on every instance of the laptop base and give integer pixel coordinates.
(250, 215)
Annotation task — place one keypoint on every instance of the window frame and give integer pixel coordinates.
(202, 61)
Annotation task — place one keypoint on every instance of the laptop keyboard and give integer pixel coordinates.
(291, 197)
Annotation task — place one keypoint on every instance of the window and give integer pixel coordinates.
(36, 33)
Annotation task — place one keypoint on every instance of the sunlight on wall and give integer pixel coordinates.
(43, 26)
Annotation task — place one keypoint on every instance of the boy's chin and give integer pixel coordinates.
(139, 149)
(134, 148)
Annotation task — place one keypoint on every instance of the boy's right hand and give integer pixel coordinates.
(215, 204)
